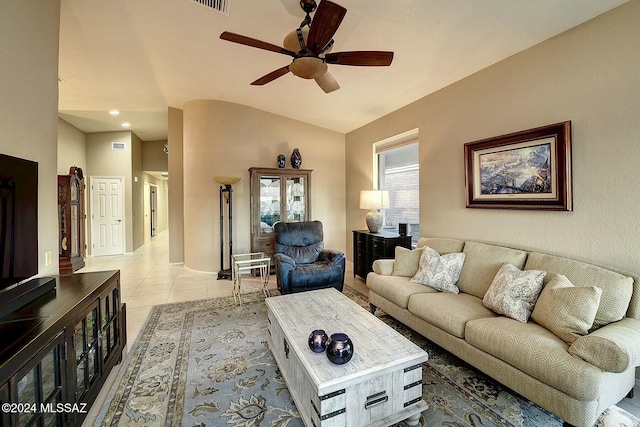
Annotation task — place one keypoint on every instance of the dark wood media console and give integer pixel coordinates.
(57, 351)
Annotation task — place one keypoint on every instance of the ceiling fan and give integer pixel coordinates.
(310, 47)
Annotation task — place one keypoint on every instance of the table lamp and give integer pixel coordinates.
(374, 200)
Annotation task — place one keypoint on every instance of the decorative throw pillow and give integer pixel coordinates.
(513, 292)
(567, 310)
(406, 261)
(439, 272)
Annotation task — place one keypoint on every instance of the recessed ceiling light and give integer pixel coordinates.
(114, 112)
(125, 124)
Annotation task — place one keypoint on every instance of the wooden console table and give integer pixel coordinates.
(58, 350)
(368, 247)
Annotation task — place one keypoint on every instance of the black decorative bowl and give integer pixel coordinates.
(339, 348)
(318, 341)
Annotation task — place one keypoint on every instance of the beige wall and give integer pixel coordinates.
(588, 75)
(222, 138)
(72, 148)
(29, 105)
(137, 194)
(102, 161)
(154, 158)
(176, 202)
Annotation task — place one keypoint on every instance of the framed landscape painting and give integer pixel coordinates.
(529, 169)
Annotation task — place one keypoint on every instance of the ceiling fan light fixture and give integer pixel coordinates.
(310, 47)
(291, 41)
(308, 67)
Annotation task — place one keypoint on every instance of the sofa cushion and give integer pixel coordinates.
(616, 288)
(441, 245)
(514, 292)
(406, 261)
(566, 310)
(482, 263)
(396, 289)
(537, 352)
(615, 348)
(439, 272)
(449, 312)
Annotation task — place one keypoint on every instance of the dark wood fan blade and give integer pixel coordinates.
(325, 23)
(248, 41)
(271, 76)
(361, 58)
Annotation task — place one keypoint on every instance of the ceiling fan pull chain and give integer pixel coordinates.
(303, 45)
(306, 22)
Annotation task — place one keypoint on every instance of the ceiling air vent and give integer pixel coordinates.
(219, 5)
(118, 146)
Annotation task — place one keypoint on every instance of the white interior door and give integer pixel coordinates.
(107, 216)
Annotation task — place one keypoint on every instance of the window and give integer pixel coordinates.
(398, 170)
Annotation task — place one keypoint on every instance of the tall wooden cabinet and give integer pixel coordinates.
(71, 243)
(277, 195)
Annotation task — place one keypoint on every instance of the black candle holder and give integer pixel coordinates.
(318, 341)
(339, 348)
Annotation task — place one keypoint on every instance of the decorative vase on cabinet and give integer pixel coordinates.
(277, 195)
(296, 159)
(282, 160)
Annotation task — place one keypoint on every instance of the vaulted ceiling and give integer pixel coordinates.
(142, 56)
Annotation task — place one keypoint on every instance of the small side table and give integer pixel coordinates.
(246, 263)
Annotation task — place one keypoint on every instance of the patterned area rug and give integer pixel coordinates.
(206, 363)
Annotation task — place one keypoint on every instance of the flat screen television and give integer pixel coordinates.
(18, 220)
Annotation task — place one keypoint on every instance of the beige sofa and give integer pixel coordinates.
(576, 381)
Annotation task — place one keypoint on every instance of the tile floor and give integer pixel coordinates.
(147, 279)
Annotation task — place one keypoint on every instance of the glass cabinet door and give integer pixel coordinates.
(109, 305)
(85, 344)
(270, 203)
(63, 248)
(40, 384)
(75, 218)
(277, 194)
(296, 199)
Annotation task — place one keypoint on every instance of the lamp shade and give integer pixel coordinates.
(227, 180)
(374, 199)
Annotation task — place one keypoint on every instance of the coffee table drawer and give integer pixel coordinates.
(370, 401)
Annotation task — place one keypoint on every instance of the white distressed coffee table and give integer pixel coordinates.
(380, 385)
